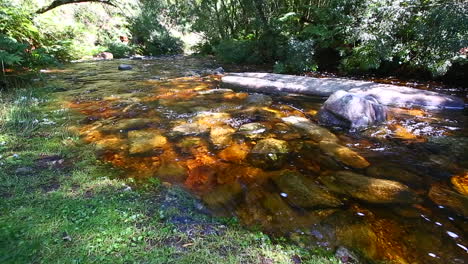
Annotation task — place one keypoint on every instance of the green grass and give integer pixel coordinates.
(58, 204)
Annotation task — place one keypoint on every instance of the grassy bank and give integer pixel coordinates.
(58, 204)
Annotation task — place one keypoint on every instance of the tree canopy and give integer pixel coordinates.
(420, 37)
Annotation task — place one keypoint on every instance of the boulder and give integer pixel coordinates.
(269, 153)
(125, 67)
(281, 83)
(303, 192)
(402, 96)
(349, 110)
(369, 189)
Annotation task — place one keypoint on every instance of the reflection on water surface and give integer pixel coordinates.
(396, 193)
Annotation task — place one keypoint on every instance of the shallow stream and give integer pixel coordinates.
(396, 193)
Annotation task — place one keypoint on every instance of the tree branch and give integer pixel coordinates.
(58, 3)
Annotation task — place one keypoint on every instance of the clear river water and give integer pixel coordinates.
(395, 193)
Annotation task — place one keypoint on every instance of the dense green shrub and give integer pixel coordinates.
(238, 51)
(298, 57)
(119, 49)
(163, 43)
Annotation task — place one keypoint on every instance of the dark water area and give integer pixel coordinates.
(395, 193)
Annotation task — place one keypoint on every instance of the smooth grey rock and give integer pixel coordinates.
(125, 67)
(349, 110)
(385, 94)
(407, 97)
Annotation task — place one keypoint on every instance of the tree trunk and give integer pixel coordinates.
(58, 3)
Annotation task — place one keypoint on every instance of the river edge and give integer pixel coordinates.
(61, 205)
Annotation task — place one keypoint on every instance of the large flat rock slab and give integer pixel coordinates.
(385, 94)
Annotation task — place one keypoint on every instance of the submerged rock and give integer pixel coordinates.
(124, 125)
(269, 153)
(171, 171)
(223, 195)
(143, 142)
(369, 189)
(303, 192)
(252, 130)
(110, 143)
(444, 196)
(343, 154)
(235, 153)
(190, 129)
(314, 131)
(391, 171)
(125, 67)
(460, 183)
(259, 99)
(274, 204)
(221, 135)
(212, 118)
(354, 111)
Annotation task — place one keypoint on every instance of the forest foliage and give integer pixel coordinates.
(420, 37)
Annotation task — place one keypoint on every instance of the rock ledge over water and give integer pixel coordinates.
(385, 94)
